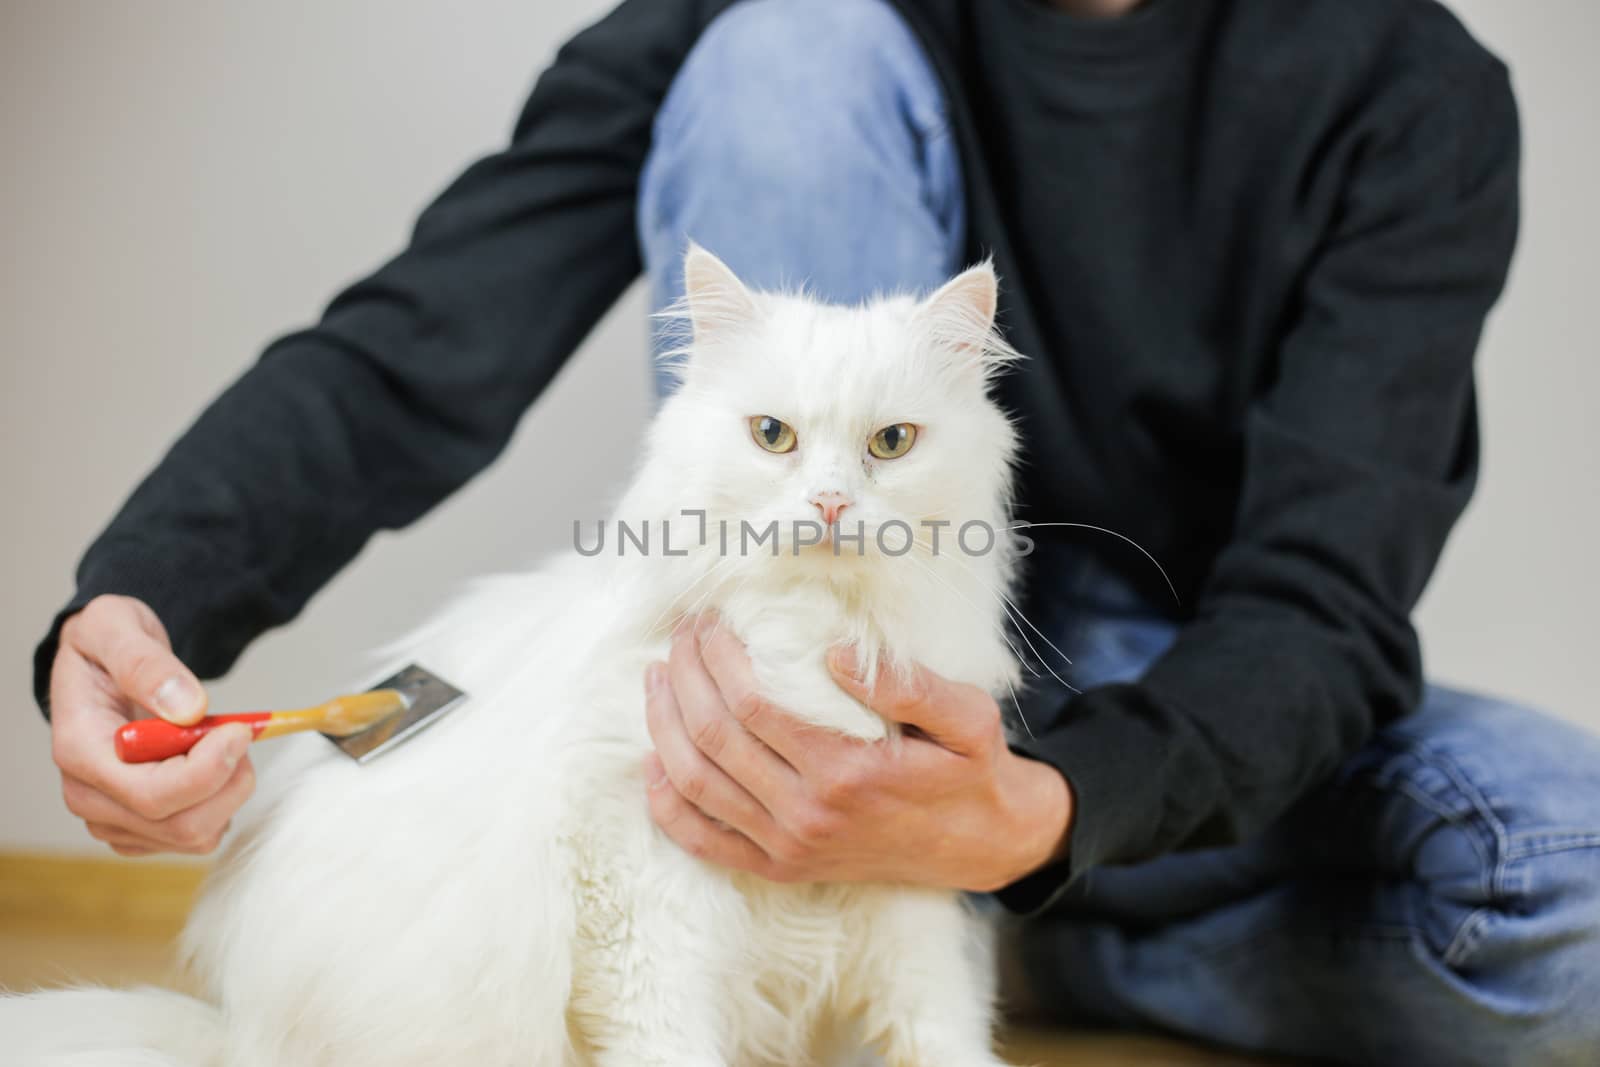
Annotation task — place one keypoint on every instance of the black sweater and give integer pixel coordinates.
(1249, 245)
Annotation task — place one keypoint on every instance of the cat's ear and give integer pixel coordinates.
(959, 316)
(717, 300)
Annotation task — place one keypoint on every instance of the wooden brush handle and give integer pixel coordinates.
(148, 740)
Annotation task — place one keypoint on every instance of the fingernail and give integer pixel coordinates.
(704, 625)
(655, 676)
(179, 698)
(238, 742)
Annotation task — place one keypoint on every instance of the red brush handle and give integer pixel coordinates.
(148, 740)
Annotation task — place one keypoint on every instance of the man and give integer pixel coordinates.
(1249, 247)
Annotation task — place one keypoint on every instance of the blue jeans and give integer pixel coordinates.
(1436, 902)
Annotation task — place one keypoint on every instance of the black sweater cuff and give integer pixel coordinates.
(1105, 748)
(160, 578)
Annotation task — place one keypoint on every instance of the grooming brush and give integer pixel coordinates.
(363, 725)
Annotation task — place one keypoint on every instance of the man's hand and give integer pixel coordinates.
(114, 662)
(743, 784)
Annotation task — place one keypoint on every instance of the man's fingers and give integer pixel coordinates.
(204, 772)
(959, 717)
(113, 634)
(728, 666)
(698, 779)
(695, 833)
(123, 842)
(83, 719)
(157, 791)
(196, 830)
(717, 732)
(200, 829)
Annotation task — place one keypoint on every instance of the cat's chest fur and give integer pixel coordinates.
(944, 614)
(798, 946)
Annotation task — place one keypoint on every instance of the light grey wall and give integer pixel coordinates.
(183, 180)
(1513, 607)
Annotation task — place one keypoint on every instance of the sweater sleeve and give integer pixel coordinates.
(1358, 459)
(414, 378)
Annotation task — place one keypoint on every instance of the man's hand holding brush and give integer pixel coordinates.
(115, 664)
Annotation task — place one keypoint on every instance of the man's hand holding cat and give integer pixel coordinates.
(743, 784)
(114, 662)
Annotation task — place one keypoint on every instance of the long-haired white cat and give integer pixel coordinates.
(494, 892)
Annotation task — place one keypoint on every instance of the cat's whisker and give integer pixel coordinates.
(724, 566)
(1017, 615)
(744, 580)
(1016, 701)
(1121, 537)
(928, 568)
(1016, 612)
(721, 564)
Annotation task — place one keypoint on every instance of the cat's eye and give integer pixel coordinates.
(892, 442)
(772, 434)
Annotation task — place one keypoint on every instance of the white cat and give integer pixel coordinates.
(494, 892)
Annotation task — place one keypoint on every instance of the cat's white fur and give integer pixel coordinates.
(495, 893)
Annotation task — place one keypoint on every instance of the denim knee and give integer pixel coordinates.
(798, 79)
(1525, 965)
(820, 123)
(1509, 877)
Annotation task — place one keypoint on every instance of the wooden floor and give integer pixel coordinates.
(67, 921)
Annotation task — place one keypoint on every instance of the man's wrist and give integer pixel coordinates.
(1040, 816)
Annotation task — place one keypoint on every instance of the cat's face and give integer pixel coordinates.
(875, 417)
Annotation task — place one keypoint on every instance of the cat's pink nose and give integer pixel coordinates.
(830, 504)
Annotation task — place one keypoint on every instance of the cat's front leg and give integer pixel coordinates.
(660, 937)
(922, 979)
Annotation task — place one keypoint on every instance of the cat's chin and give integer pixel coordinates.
(830, 560)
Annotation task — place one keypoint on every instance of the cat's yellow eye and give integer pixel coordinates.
(772, 434)
(892, 442)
